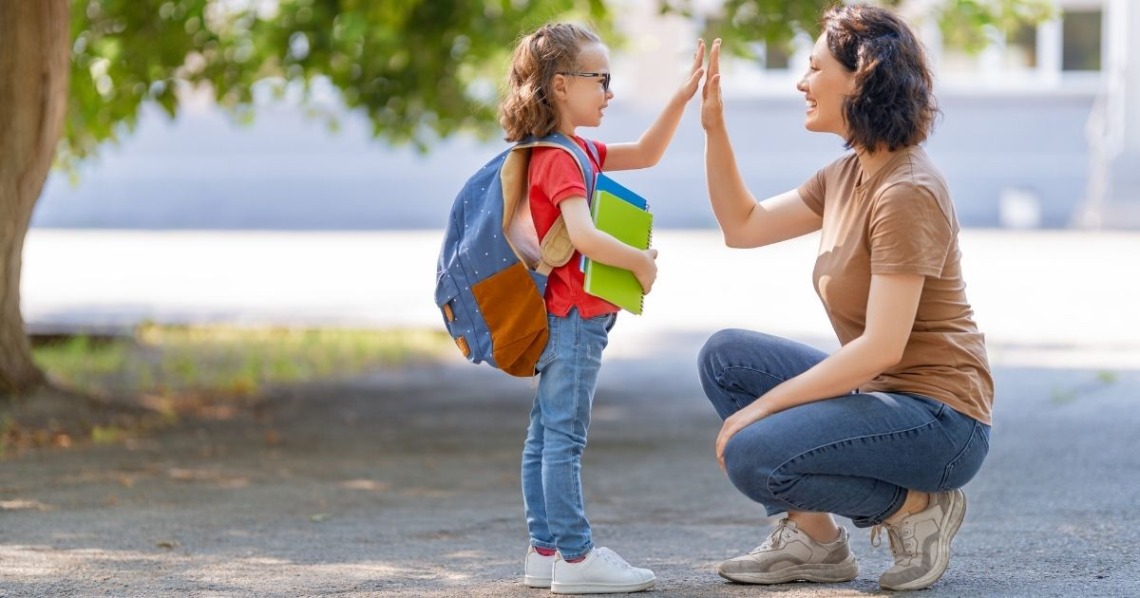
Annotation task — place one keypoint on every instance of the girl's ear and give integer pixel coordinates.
(558, 86)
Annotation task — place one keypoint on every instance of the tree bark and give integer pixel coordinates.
(35, 49)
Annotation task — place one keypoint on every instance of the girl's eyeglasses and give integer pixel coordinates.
(605, 78)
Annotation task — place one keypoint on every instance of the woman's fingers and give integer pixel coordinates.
(714, 59)
(712, 73)
(727, 430)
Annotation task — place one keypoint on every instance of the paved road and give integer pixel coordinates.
(405, 483)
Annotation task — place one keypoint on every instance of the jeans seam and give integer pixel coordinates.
(720, 378)
(953, 464)
(579, 326)
(768, 482)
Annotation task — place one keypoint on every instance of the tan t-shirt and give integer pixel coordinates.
(901, 221)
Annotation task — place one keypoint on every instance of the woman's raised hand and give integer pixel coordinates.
(712, 106)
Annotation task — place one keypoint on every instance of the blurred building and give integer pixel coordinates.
(1041, 128)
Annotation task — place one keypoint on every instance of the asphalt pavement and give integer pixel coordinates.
(405, 483)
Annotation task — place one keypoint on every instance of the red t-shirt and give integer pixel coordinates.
(555, 176)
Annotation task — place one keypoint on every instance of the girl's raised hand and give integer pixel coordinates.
(712, 106)
(690, 87)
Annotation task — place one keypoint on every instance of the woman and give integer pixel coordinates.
(886, 430)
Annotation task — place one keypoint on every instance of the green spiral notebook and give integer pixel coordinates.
(623, 214)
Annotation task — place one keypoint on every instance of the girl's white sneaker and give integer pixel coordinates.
(601, 572)
(536, 573)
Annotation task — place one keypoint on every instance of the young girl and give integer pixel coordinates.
(559, 81)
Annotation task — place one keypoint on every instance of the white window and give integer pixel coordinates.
(1081, 40)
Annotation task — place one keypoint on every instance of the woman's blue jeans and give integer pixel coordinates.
(855, 455)
(552, 456)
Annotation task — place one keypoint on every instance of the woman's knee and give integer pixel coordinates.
(709, 360)
(750, 468)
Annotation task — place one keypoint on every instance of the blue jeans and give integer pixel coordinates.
(855, 455)
(552, 456)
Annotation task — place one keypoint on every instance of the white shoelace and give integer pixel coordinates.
(779, 536)
(902, 545)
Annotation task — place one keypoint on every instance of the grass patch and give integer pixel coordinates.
(166, 363)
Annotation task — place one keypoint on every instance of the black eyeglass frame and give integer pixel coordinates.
(605, 78)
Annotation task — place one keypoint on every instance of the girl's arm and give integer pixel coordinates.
(743, 221)
(603, 247)
(891, 307)
(647, 150)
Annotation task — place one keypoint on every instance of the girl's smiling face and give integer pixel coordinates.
(582, 99)
(825, 86)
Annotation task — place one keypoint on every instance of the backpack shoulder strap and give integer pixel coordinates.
(593, 148)
(556, 247)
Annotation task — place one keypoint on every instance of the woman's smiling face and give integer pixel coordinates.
(825, 85)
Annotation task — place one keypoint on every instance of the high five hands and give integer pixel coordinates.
(712, 105)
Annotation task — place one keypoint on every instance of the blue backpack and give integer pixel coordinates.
(492, 269)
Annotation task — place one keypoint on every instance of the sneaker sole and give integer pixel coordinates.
(837, 573)
(952, 521)
(600, 588)
(536, 582)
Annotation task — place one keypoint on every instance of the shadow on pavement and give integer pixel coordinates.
(405, 483)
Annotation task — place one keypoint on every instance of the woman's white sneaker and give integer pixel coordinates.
(920, 543)
(537, 570)
(601, 572)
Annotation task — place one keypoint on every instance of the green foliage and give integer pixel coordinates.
(972, 24)
(742, 24)
(165, 362)
(126, 53)
(419, 69)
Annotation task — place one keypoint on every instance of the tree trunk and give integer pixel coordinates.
(35, 51)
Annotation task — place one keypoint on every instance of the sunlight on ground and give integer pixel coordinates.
(253, 573)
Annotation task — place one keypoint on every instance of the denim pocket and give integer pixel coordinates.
(596, 333)
(967, 463)
(607, 319)
(550, 353)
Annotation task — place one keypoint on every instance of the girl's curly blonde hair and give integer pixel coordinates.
(527, 108)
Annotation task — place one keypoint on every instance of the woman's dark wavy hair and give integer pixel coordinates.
(893, 105)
